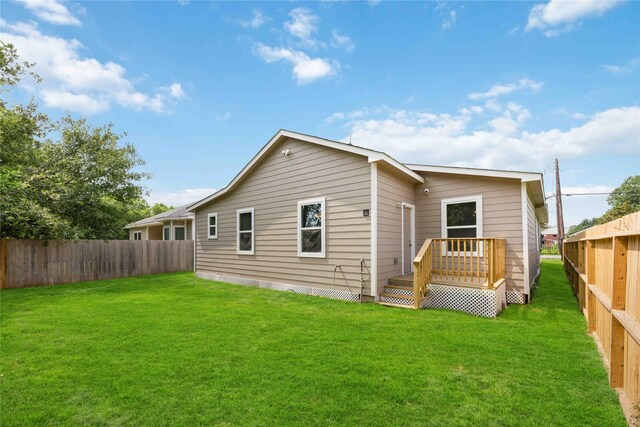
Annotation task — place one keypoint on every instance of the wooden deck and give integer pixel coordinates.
(474, 264)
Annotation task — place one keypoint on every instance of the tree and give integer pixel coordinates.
(623, 200)
(83, 184)
(584, 224)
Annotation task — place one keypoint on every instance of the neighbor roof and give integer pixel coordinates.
(178, 213)
(372, 156)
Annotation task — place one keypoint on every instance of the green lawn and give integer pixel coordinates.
(176, 350)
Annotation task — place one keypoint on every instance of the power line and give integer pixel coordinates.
(590, 194)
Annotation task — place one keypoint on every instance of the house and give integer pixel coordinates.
(550, 237)
(321, 217)
(174, 224)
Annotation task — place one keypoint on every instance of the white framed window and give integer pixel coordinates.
(246, 237)
(461, 218)
(212, 225)
(137, 235)
(311, 228)
(166, 233)
(179, 232)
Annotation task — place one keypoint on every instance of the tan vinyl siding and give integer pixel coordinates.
(533, 240)
(155, 232)
(502, 213)
(189, 230)
(392, 189)
(273, 189)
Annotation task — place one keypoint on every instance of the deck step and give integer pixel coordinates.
(396, 281)
(390, 304)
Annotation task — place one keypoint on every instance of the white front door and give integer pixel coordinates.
(408, 236)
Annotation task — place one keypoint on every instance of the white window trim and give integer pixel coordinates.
(175, 227)
(166, 227)
(479, 222)
(323, 228)
(209, 216)
(138, 233)
(253, 231)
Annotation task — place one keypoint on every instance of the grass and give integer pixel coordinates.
(176, 350)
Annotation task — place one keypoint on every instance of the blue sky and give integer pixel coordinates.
(199, 87)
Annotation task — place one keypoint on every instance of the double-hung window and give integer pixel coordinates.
(212, 225)
(246, 237)
(311, 228)
(179, 232)
(137, 235)
(462, 218)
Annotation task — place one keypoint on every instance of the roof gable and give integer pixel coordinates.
(371, 155)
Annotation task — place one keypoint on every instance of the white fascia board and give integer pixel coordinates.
(524, 176)
(144, 224)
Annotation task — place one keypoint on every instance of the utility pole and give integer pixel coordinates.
(560, 219)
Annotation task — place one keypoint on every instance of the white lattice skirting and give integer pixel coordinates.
(305, 290)
(481, 302)
(515, 297)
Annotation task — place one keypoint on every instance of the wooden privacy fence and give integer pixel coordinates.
(603, 267)
(25, 263)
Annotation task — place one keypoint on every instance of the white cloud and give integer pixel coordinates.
(51, 11)
(342, 41)
(176, 90)
(558, 16)
(179, 198)
(74, 102)
(499, 90)
(303, 26)
(617, 69)
(449, 20)
(578, 116)
(356, 114)
(77, 83)
(305, 69)
(257, 20)
(223, 117)
(501, 142)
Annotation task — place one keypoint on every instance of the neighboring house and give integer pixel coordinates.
(321, 217)
(174, 224)
(550, 240)
(550, 237)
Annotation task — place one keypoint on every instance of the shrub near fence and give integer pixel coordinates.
(603, 266)
(25, 263)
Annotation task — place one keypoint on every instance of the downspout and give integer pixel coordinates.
(361, 278)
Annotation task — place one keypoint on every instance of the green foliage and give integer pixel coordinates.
(584, 224)
(82, 184)
(174, 349)
(158, 208)
(623, 200)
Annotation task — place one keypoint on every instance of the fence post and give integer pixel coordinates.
(619, 292)
(618, 297)
(3, 263)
